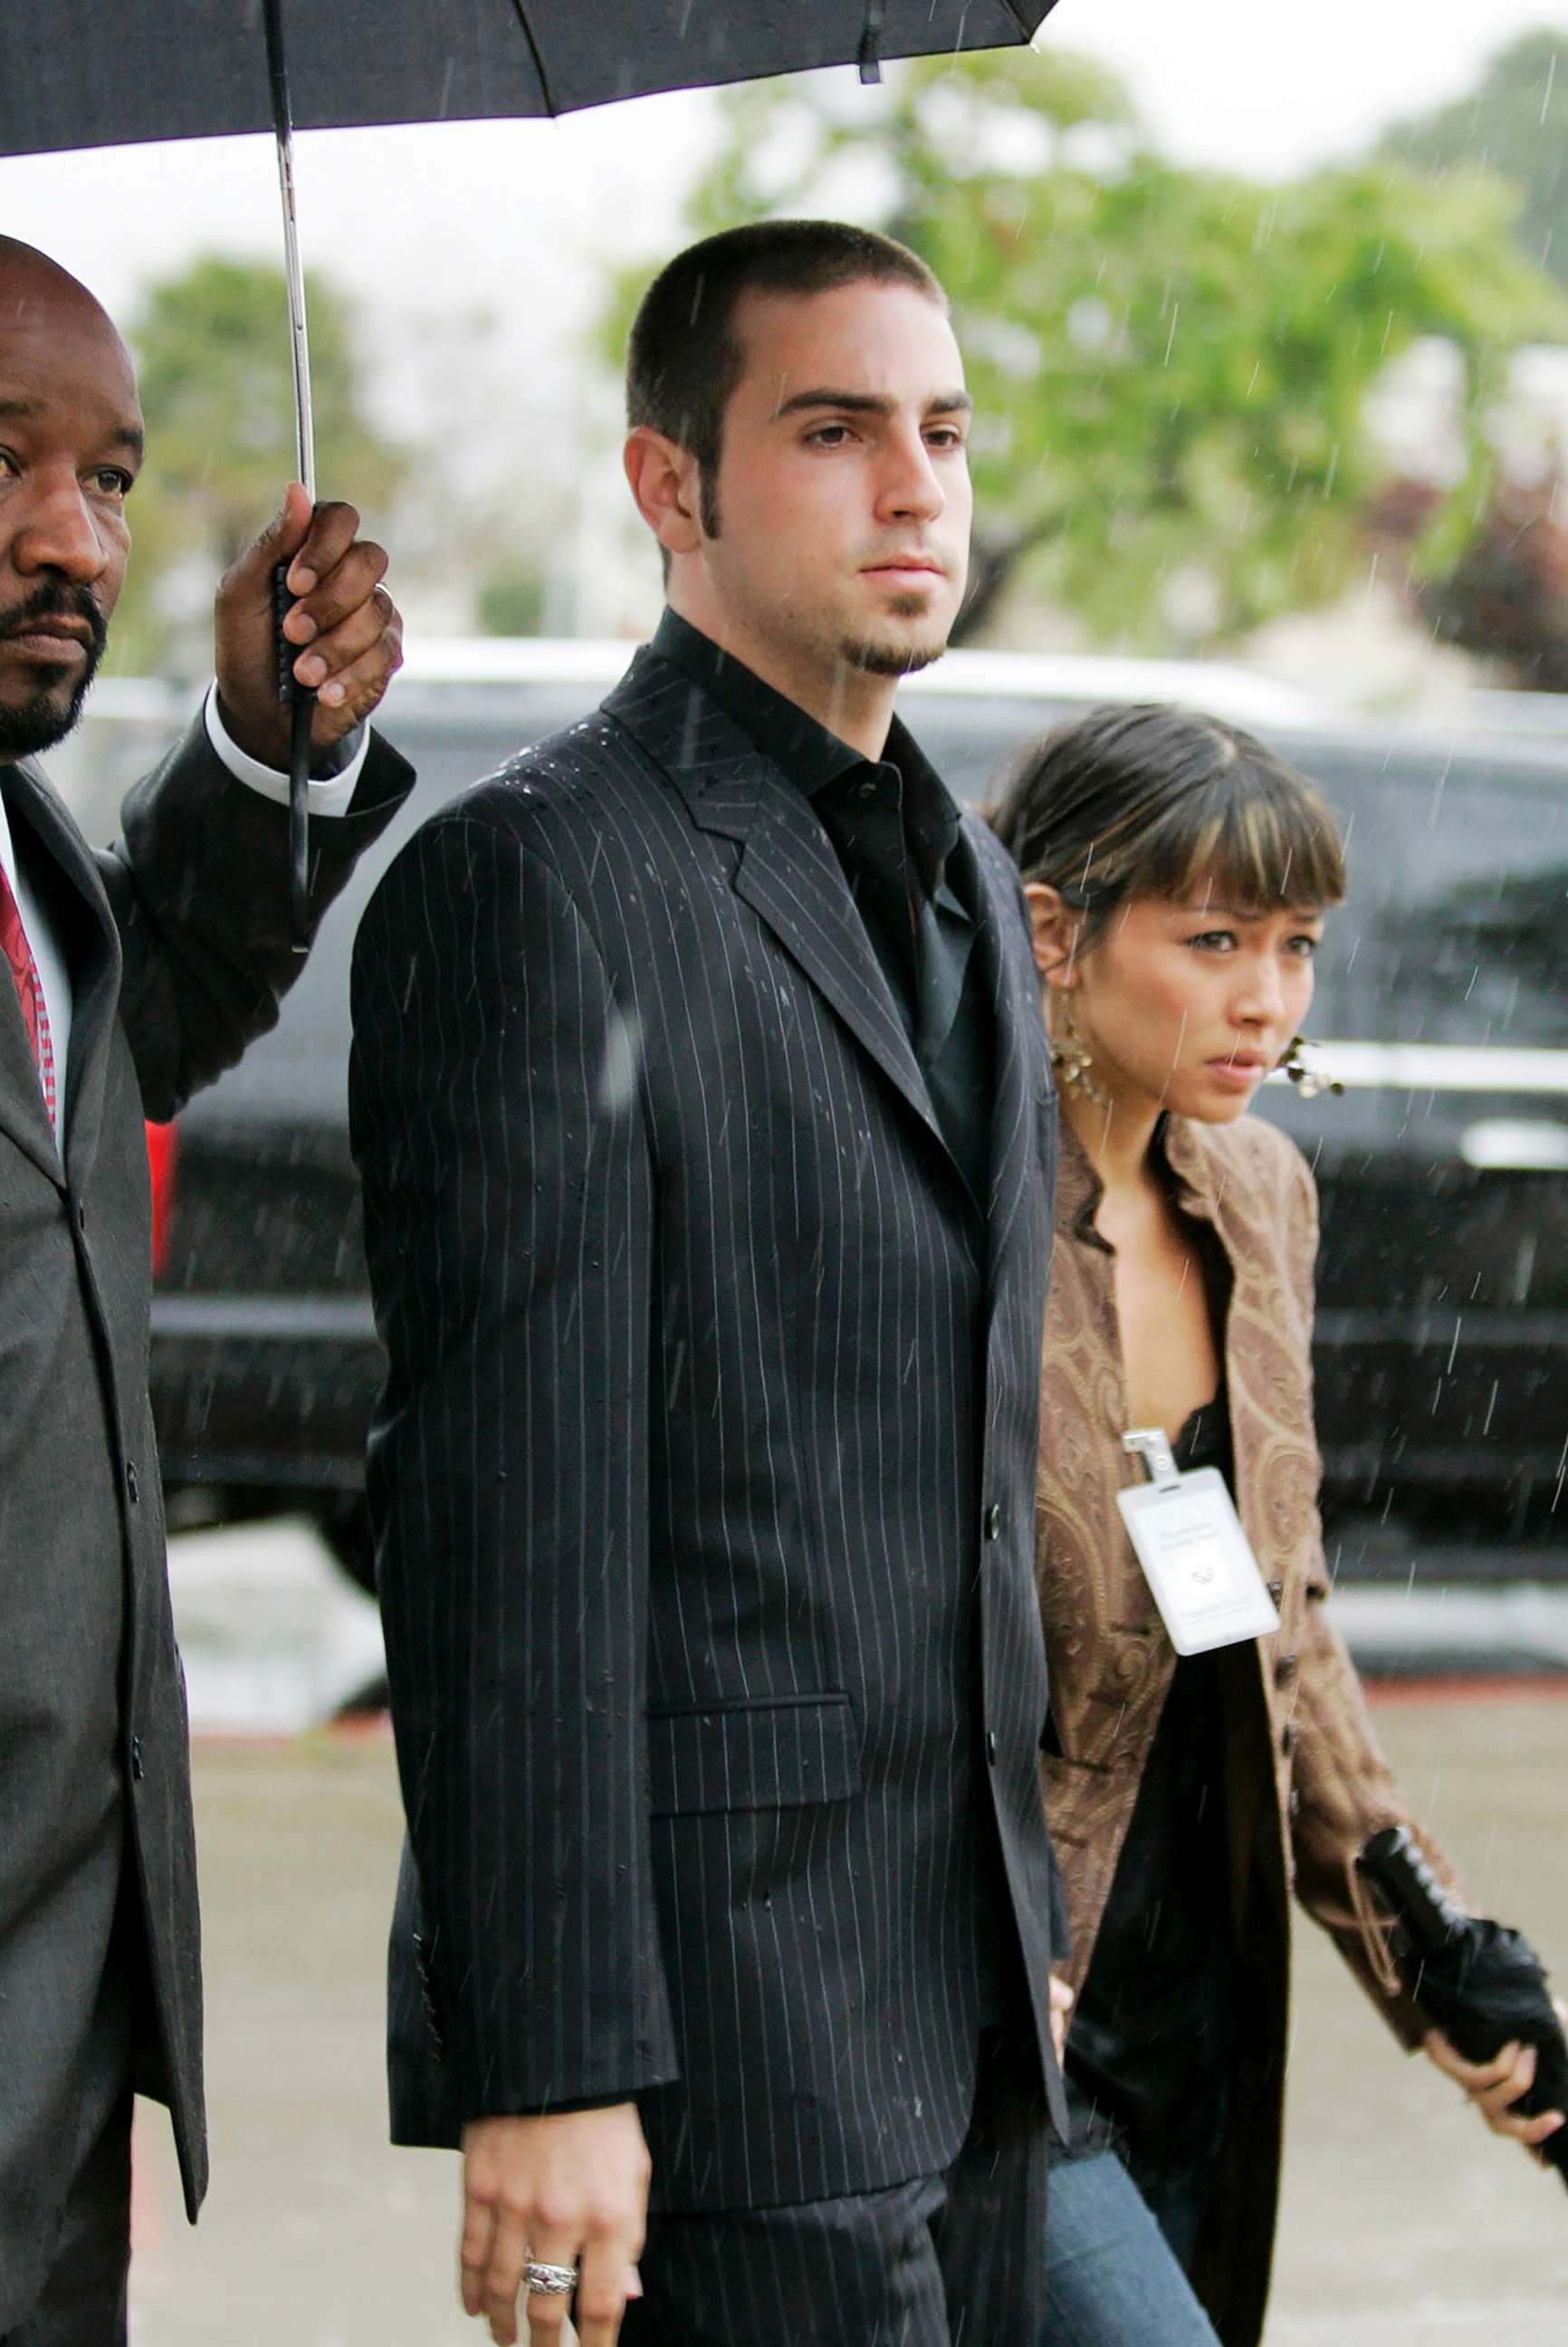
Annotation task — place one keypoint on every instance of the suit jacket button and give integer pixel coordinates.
(991, 1746)
(131, 1483)
(1284, 1670)
(137, 1769)
(993, 1521)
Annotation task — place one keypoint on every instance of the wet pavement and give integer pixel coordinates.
(1404, 2221)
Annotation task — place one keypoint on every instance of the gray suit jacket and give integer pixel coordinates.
(705, 1473)
(177, 944)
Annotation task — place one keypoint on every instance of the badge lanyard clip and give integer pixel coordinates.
(1152, 1445)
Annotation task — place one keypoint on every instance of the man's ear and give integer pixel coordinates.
(1057, 930)
(664, 483)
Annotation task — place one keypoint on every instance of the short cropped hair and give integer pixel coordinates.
(685, 357)
(1151, 800)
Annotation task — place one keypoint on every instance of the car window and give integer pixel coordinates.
(1455, 930)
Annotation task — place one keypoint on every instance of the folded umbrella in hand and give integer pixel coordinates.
(1481, 1984)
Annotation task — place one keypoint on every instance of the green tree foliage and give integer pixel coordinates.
(511, 600)
(213, 358)
(1169, 366)
(1514, 123)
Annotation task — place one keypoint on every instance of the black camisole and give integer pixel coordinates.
(1149, 2047)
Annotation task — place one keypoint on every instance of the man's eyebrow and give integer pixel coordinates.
(129, 437)
(869, 403)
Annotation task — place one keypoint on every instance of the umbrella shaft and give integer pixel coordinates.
(293, 271)
(298, 338)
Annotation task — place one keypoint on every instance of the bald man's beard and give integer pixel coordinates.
(50, 712)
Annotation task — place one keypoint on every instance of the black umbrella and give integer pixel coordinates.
(1481, 1984)
(105, 72)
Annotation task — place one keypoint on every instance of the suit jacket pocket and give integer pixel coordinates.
(783, 1752)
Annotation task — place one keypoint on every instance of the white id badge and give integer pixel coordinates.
(1195, 1557)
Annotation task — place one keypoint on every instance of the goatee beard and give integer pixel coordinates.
(873, 659)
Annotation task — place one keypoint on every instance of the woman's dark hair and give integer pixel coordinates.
(1150, 800)
(685, 357)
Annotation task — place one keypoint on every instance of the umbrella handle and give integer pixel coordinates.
(299, 821)
(302, 709)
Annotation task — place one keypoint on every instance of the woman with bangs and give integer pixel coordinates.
(1178, 876)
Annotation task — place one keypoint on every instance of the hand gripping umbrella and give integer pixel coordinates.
(1481, 1984)
(115, 72)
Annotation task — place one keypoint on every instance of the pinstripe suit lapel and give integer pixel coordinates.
(789, 874)
(787, 871)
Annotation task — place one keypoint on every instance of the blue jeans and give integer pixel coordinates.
(1112, 2279)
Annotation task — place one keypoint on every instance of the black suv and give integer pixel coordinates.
(1442, 1006)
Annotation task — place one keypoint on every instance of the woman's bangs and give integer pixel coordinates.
(1255, 846)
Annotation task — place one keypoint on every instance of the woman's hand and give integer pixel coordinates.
(1496, 2085)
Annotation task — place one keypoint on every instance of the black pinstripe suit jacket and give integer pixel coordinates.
(703, 1475)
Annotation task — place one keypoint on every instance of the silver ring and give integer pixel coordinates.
(549, 2282)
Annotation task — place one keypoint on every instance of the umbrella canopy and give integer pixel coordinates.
(111, 72)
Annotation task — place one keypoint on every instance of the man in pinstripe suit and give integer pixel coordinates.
(701, 1099)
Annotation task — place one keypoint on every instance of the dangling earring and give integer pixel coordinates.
(1071, 1058)
(1308, 1081)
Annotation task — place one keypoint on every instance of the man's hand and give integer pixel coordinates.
(567, 2190)
(1062, 2004)
(1496, 2085)
(344, 622)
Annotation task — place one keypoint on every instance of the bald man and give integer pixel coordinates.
(128, 979)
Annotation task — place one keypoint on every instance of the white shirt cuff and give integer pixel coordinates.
(330, 796)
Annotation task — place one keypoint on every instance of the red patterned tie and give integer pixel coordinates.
(29, 992)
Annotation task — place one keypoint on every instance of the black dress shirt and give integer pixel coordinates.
(893, 825)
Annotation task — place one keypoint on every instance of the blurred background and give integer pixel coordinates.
(1267, 317)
